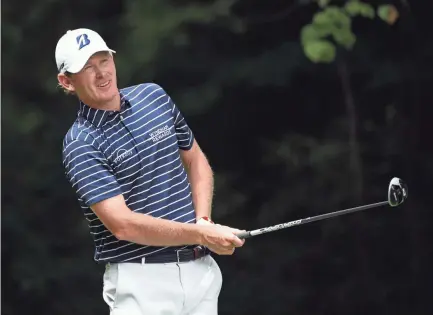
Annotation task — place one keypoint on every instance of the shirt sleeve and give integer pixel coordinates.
(185, 136)
(89, 173)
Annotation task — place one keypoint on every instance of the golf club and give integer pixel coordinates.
(397, 194)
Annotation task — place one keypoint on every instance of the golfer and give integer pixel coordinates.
(144, 187)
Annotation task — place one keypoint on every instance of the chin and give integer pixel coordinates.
(107, 99)
(109, 95)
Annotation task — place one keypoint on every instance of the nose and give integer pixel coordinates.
(99, 73)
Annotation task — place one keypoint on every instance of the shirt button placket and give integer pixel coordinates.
(134, 140)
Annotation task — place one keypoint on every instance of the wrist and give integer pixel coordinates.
(204, 220)
(202, 232)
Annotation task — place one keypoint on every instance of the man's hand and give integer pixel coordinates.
(221, 239)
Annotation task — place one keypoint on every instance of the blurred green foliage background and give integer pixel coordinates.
(302, 107)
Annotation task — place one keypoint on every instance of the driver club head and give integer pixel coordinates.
(397, 192)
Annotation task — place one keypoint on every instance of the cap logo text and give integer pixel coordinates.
(82, 40)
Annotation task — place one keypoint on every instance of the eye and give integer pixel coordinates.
(87, 67)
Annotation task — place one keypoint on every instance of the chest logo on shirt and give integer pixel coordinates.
(160, 133)
(122, 154)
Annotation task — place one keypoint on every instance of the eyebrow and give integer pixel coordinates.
(105, 55)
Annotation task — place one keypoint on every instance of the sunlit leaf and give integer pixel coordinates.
(323, 17)
(367, 11)
(355, 8)
(323, 3)
(388, 13)
(315, 31)
(345, 37)
(338, 16)
(320, 51)
(309, 32)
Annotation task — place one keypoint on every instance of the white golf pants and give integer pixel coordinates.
(190, 288)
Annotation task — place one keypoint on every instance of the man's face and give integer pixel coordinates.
(96, 83)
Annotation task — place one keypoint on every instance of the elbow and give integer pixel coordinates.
(121, 231)
(120, 234)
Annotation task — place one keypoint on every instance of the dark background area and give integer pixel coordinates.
(287, 138)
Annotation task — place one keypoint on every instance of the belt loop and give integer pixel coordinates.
(143, 260)
(177, 254)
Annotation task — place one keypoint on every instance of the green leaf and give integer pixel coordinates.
(355, 8)
(367, 11)
(310, 32)
(323, 3)
(316, 31)
(345, 37)
(323, 17)
(320, 51)
(388, 13)
(337, 16)
(352, 7)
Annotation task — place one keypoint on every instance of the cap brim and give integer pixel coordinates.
(84, 57)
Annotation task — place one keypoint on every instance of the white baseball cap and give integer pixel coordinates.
(76, 47)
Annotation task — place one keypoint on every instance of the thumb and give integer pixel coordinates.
(237, 231)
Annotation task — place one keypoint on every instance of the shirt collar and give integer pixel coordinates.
(98, 116)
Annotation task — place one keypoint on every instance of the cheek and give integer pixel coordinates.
(86, 86)
(113, 76)
(112, 69)
(84, 80)
(89, 83)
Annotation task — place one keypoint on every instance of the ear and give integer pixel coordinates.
(66, 82)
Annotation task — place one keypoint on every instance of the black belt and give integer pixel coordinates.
(182, 255)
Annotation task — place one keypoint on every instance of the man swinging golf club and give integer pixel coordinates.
(144, 186)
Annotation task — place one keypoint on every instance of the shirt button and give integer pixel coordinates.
(121, 117)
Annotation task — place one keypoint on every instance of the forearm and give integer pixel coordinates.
(147, 230)
(202, 185)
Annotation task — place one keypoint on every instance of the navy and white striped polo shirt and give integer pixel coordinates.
(134, 152)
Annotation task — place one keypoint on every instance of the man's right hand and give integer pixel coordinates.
(221, 239)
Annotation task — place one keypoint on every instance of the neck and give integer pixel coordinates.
(113, 104)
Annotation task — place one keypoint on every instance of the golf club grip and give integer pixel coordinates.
(244, 235)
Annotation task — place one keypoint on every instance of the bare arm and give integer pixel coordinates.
(201, 178)
(144, 229)
(147, 230)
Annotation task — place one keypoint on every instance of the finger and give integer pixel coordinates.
(243, 241)
(231, 229)
(234, 230)
(215, 250)
(220, 250)
(226, 247)
(236, 241)
(225, 252)
(228, 251)
(238, 232)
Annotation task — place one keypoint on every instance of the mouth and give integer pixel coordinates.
(104, 84)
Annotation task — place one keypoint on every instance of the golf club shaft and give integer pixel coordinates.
(277, 227)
